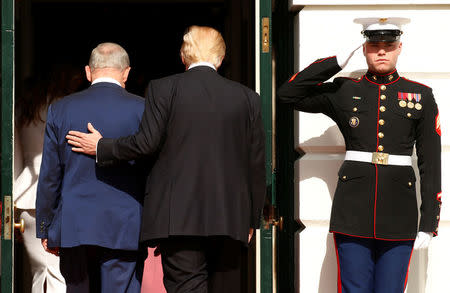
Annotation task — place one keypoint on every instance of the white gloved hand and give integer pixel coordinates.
(344, 56)
(423, 240)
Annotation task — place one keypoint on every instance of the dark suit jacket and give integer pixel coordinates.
(78, 203)
(209, 178)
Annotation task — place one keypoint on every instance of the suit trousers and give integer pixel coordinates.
(89, 268)
(367, 265)
(198, 264)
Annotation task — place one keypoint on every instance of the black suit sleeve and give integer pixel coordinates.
(257, 164)
(151, 130)
(428, 149)
(307, 90)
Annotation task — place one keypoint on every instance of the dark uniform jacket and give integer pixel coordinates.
(377, 113)
(209, 177)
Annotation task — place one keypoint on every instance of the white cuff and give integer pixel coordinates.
(423, 240)
(96, 153)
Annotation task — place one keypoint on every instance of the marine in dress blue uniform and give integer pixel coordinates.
(382, 116)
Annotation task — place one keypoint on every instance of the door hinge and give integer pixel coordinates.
(265, 35)
(7, 226)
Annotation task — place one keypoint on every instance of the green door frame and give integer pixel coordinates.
(7, 144)
(277, 243)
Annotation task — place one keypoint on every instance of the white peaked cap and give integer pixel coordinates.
(378, 23)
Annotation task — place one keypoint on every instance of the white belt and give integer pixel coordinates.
(378, 158)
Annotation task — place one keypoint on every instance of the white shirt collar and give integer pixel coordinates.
(202, 63)
(106, 79)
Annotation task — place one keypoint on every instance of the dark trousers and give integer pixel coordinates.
(372, 266)
(202, 264)
(89, 268)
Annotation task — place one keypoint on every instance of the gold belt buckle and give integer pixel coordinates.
(380, 158)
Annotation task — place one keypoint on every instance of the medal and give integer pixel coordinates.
(418, 97)
(354, 122)
(410, 105)
(402, 103)
(418, 106)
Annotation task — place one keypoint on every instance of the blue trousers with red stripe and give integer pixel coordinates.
(372, 266)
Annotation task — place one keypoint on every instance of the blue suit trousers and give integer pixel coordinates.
(95, 269)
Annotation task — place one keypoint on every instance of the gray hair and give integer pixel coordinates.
(109, 55)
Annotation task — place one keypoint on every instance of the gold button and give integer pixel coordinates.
(409, 114)
(437, 217)
(383, 97)
(355, 109)
(380, 134)
(374, 77)
(381, 122)
(382, 108)
(391, 77)
(380, 148)
(383, 87)
(344, 177)
(410, 184)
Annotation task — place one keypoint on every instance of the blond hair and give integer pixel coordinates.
(109, 55)
(202, 43)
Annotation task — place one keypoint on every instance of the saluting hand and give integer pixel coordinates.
(84, 142)
(345, 54)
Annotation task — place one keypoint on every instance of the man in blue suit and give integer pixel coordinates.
(91, 216)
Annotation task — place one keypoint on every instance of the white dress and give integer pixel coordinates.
(28, 145)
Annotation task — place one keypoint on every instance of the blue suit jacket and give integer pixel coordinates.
(78, 203)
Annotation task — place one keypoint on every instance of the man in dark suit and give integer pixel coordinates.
(205, 193)
(91, 217)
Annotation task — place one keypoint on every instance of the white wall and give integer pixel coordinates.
(324, 30)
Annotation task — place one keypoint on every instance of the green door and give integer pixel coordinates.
(267, 233)
(277, 235)
(7, 144)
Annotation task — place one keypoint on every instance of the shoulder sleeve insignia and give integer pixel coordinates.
(438, 124)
